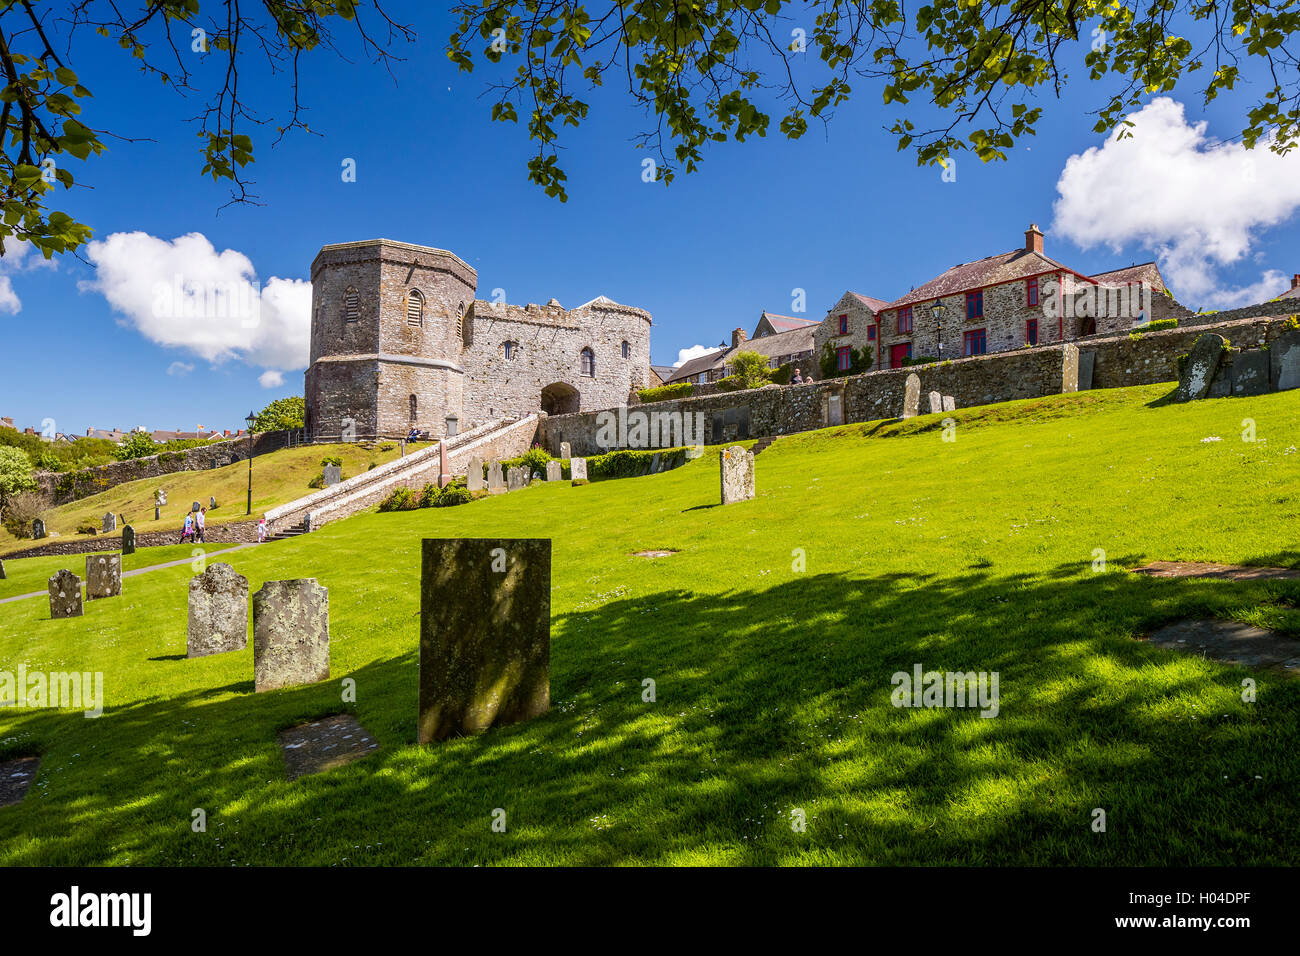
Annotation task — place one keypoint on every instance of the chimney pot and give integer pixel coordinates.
(1295, 281)
(1034, 239)
(738, 338)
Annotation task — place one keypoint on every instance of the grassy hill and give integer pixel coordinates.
(278, 477)
(773, 684)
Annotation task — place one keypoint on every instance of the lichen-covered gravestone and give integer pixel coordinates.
(949, 403)
(1202, 363)
(128, 539)
(1250, 373)
(110, 522)
(218, 620)
(1069, 368)
(936, 403)
(103, 576)
(38, 528)
(1284, 358)
(554, 472)
(332, 475)
(516, 478)
(578, 469)
(496, 483)
(565, 449)
(485, 634)
(291, 634)
(737, 474)
(212, 502)
(65, 595)
(474, 480)
(912, 395)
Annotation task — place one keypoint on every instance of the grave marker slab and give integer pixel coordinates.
(554, 471)
(485, 634)
(936, 403)
(103, 576)
(2, 570)
(1202, 363)
(578, 469)
(949, 403)
(444, 470)
(516, 478)
(331, 475)
(1284, 359)
(565, 448)
(1069, 368)
(110, 522)
(1250, 371)
(911, 395)
(737, 467)
(1087, 362)
(128, 539)
(195, 506)
(38, 528)
(212, 502)
(474, 479)
(291, 634)
(65, 595)
(496, 483)
(218, 612)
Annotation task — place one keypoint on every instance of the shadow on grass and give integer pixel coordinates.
(764, 701)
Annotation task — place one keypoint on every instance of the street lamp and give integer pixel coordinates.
(249, 420)
(938, 310)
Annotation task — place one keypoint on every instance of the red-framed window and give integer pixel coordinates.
(843, 358)
(974, 305)
(974, 342)
(905, 320)
(1031, 290)
(844, 325)
(1031, 331)
(871, 333)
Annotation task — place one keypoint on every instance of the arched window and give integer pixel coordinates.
(589, 363)
(414, 309)
(351, 305)
(627, 350)
(511, 350)
(414, 409)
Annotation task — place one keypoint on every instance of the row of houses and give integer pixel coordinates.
(119, 436)
(1004, 301)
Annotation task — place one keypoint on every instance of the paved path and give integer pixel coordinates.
(130, 574)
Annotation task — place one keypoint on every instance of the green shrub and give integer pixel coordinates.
(628, 463)
(728, 383)
(535, 459)
(400, 499)
(859, 361)
(429, 495)
(137, 445)
(750, 369)
(1159, 324)
(665, 392)
(453, 495)
(87, 529)
(331, 460)
(782, 374)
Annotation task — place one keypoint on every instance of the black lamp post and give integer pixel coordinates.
(249, 420)
(938, 310)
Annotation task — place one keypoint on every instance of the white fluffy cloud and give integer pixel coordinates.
(271, 378)
(184, 294)
(1196, 204)
(17, 258)
(180, 368)
(695, 351)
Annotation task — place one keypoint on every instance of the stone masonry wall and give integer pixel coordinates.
(232, 532)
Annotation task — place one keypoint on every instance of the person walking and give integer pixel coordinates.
(261, 530)
(200, 524)
(187, 530)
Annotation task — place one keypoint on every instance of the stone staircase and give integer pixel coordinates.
(289, 532)
(761, 445)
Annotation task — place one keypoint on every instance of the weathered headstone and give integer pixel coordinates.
(444, 471)
(936, 403)
(578, 469)
(196, 506)
(212, 502)
(291, 634)
(1202, 363)
(2, 570)
(156, 512)
(38, 528)
(949, 403)
(103, 576)
(1069, 368)
(516, 477)
(912, 395)
(1284, 358)
(554, 471)
(496, 483)
(218, 611)
(128, 539)
(565, 448)
(654, 463)
(485, 634)
(65, 595)
(1250, 371)
(474, 479)
(110, 522)
(737, 474)
(1087, 362)
(332, 475)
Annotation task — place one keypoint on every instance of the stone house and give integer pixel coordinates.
(1294, 291)
(781, 339)
(399, 341)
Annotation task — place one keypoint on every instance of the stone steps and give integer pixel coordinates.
(761, 445)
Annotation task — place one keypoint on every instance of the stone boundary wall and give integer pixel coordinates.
(1118, 360)
(235, 532)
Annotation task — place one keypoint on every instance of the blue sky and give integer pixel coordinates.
(841, 209)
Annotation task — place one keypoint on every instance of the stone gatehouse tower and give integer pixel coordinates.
(398, 340)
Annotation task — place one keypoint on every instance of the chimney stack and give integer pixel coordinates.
(1034, 239)
(738, 338)
(1295, 281)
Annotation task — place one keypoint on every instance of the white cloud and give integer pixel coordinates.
(16, 259)
(184, 294)
(695, 351)
(271, 378)
(9, 301)
(1196, 204)
(180, 368)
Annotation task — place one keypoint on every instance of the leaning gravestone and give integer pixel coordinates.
(737, 474)
(936, 403)
(1284, 358)
(949, 403)
(485, 634)
(578, 469)
(474, 480)
(1202, 363)
(218, 611)
(553, 471)
(291, 634)
(912, 395)
(496, 483)
(565, 449)
(332, 475)
(2, 571)
(110, 522)
(128, 539)
(65, 595)
(103, 576)
(38, 528)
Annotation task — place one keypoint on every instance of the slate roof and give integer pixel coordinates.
(1006, 267)
(1292, 293)
(1147, 272)
(872, 303)
(794, 342)
(786, 323)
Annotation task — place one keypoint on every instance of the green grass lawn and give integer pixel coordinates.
(773, 684)
(278, 478)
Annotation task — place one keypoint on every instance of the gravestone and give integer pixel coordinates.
(212, 502)
(654, 463)
(1069, 368)
(2, 570)
(156, 513)
(1250, 371)
(1284, 359)
(737, 467)
(1202, 363)
(485, 634)
(834, 409)
(65, 595)
(554, 471)
(1087, 362)
(949, 403)
(936, 403)
(103, 576)
(128, 539)
(496, 483)
(444, 472)
(195, 506)
(110, 522)
(218, 611)
(331, 476)
(160, 498)
(516, 478)
(565, 448)
(474, 479)
(912, 395)
(38, 528)
(578, 469)
(291, 634)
